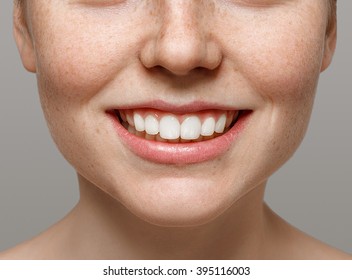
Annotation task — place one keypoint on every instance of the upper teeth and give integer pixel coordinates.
(173, 127)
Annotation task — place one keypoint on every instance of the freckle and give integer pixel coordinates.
(97, 131)
(162, 35)
(151, 13)
(91, 165)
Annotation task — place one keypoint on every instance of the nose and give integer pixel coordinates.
(182, 40)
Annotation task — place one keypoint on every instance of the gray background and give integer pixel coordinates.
(313, 190)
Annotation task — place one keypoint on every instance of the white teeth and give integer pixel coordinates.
(169, 127)
(208, 127)
(191, 128)
(139, 122)
(220, 124)
(151, 125)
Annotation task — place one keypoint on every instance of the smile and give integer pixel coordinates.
(168, 137)
(166, 127)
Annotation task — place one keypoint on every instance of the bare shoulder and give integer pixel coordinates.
(23, 251)
(37, 248)
(292, 243)
(50, 244)
(311, 248)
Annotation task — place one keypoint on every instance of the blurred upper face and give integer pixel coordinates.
(177, 108)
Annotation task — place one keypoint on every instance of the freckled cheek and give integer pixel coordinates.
(72, 72)
(285, 72)
(78, 71)
(65, 91)
(285, 75)
(287, 82)
(284, 83)
(75, 78)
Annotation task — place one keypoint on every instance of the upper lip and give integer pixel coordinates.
(165, 106)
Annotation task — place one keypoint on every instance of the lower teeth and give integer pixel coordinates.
(157, 137)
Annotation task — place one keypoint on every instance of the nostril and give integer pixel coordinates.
(179, 60)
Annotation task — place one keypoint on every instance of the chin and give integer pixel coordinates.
(178, 205)
(178, 216)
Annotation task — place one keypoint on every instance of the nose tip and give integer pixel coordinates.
(181, 55)
(181, 43)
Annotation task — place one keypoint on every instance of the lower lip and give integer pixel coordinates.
(180, 153)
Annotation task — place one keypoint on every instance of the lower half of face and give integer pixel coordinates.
(178, 117)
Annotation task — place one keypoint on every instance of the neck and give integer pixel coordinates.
(105, 229)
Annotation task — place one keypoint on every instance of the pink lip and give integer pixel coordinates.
(179, 153)
(176, 109)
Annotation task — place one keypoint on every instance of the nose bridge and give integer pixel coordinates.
(181, 43)
(180, 40)
(180, 21)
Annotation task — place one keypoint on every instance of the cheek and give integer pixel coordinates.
(78, 56)
(281, 66)
(289, 66)
(74, 66)
(278, 51)
(286, 71)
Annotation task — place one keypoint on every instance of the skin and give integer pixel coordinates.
(89, 55)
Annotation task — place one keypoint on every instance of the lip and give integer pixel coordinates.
(174, 109)
(179, 153)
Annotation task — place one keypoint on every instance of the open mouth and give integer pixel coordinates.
(178, 137)
(155, 125)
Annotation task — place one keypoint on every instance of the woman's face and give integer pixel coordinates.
(177, 68)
